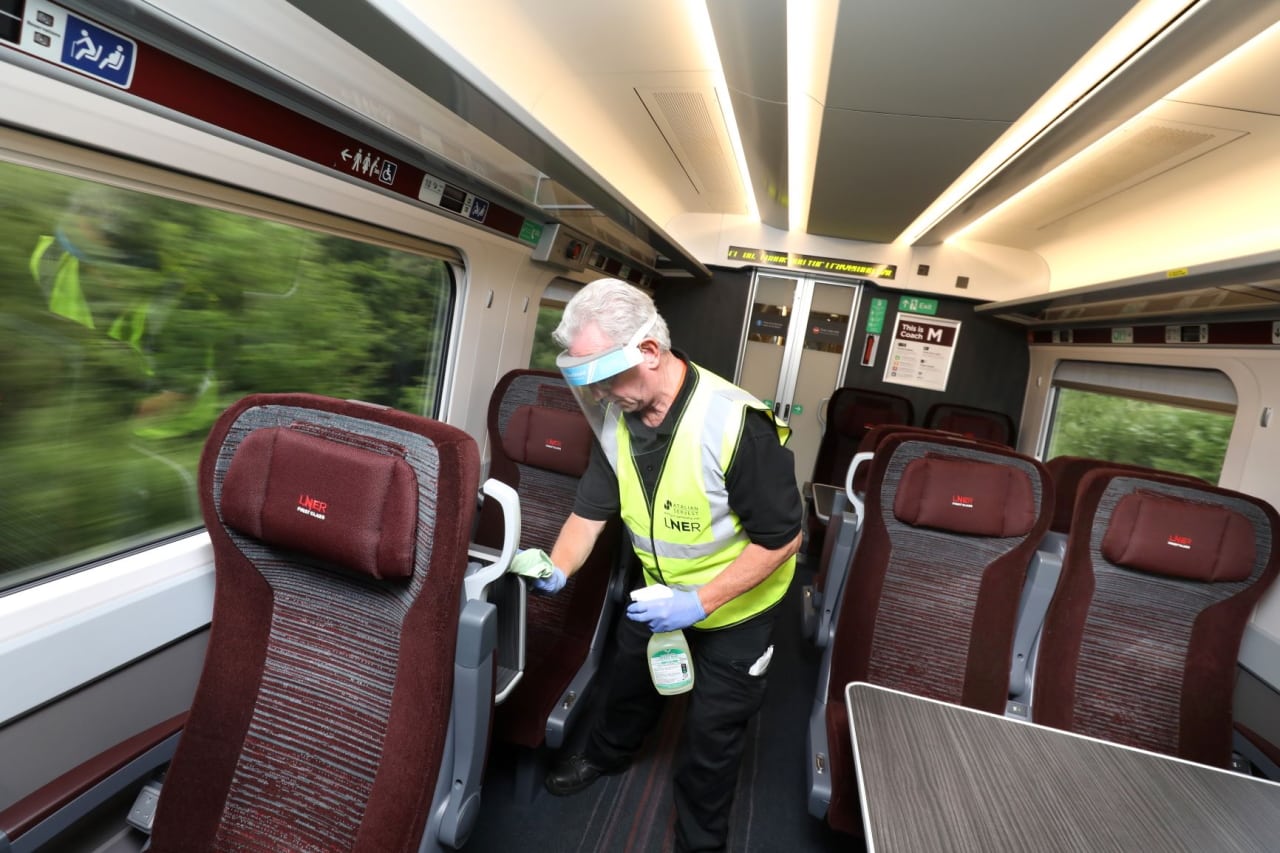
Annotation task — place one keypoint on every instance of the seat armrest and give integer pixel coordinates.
(472, 711)
(818, 772)
(1042, 580)
(54, 807)
(572, 700)
(494, 564)
(836, 570)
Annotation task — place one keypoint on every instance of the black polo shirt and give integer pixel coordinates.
(761, 479)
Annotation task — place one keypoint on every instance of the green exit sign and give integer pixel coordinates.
(918, 305)
(875, 316)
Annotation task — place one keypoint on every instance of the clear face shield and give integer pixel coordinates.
(590, 377)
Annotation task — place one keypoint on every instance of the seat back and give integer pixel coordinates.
(1042, 579)
(850, 413)
(971, 422)
(840, 537)
(1068, 471)
(322, 717)
(871, 440)
(540, 445)
(1140, 642)
(931, 598)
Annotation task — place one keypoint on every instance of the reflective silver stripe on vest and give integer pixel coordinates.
(609, 436)
(672, 551)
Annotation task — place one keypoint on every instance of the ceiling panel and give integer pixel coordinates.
(1247, 83)
(876, 172)
(984, 59)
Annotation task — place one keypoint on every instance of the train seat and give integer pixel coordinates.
(851, 412)
(347, 689)
(1042, 577)
(1140, 642)
(540, 445)
(840, 536)
(971, 422)
(929, 603)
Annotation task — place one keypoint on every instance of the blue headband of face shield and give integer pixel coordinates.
(589, 369)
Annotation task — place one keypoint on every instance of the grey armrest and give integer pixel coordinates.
(463, 767)
(1042, 579)
(818, 755)
(828, 604)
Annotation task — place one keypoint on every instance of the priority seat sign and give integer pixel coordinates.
(55, 35)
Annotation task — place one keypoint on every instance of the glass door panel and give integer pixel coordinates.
(819, 369)
(794, 353)
(768, 335)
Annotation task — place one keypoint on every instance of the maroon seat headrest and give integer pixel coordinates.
(1164, 535)
(549, 438)
(346, 505)
(965, 496)
(855, 420)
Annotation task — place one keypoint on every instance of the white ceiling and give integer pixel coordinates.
(908, 96)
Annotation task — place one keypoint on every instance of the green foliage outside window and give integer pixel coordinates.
(129, 322)
(545, 349)
(1140, 432)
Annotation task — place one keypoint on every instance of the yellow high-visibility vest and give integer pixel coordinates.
(689, 534)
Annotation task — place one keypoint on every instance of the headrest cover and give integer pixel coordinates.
(965, 496)
(346, 505)
(1164, 535)
(548, 438)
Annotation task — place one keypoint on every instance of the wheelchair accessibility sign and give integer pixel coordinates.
(54, 34)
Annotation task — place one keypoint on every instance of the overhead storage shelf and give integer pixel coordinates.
(1246, 287)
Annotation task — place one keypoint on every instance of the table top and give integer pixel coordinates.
(935, 776)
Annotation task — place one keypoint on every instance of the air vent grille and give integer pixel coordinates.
(692, 123)
(1129, 158)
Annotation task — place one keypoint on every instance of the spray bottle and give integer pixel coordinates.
(670, 663)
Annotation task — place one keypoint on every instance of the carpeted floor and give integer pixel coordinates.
(633, 812)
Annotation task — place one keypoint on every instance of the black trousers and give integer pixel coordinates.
(724, 698)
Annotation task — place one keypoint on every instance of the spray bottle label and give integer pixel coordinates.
(670, 668)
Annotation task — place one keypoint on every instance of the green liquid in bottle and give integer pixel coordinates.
(670, 663)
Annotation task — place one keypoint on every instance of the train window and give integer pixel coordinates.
(1170, 418)
(545, 348)
(128, 321)
(550, 310)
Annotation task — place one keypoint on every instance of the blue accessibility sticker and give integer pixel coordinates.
(100, 53)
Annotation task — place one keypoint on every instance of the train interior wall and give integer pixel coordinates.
(989, 368)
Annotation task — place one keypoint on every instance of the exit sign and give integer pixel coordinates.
(918, 305)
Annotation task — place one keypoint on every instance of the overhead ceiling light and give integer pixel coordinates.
(1135, 29)
(700, 20)
(808, 72)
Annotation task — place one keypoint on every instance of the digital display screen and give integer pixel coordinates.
(1191, 335)
(11, 20)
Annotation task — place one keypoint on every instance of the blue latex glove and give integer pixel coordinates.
(679, 611)
(552, 583)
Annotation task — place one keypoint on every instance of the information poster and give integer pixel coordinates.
(921, 351)
(769, 323)
(826, 332)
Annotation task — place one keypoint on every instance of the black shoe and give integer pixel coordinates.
(576, 773)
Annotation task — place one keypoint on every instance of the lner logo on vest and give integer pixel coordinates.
(682, 517)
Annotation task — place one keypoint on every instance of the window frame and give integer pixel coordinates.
(1166, 385)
